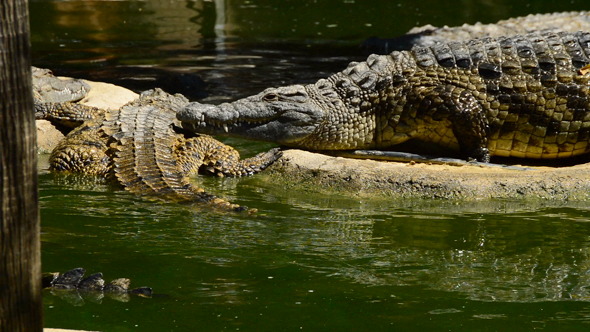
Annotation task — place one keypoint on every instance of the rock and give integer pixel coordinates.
(312, 171)
(107, 96)
(47, 136)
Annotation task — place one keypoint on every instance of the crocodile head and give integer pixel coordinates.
(309, 117)
(284, 115)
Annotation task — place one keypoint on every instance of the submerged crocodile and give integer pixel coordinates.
(520, 96)
(429, 35)
(73, 287)
(141, 148)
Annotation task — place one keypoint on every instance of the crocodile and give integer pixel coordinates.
(524, 96)
(429, 35)
(139, 146)
(48, 88)
(73, 287)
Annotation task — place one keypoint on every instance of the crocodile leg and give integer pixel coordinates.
(84, 152)
(208, 154)
(468, 120)
(66, 116)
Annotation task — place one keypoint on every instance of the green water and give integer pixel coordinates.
(308, 261)
(320, 262)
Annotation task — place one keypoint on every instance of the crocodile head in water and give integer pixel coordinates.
(312, 117)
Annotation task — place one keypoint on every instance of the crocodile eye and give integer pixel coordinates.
(270, 97)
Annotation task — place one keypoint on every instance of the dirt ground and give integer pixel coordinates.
(307, 170)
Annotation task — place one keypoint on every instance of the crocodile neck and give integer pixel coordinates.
(364, 104)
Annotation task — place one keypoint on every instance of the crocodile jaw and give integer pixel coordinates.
(284, 115)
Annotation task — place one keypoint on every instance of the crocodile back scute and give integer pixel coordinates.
(144, 161)
(545, 50)
(429, 35)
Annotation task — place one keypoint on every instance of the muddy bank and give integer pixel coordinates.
(312, 171)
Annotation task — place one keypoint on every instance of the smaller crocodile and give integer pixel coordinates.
(429, 35)
(51, 89)
(140, 147)
(74, 287)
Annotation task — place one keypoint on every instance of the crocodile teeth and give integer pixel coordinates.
(225, 128)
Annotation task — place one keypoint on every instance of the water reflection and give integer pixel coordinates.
(488, 251)
(104, 25)
(519, 257)
(177, 46)
(485, 251)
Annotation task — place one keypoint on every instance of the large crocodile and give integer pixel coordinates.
(520, 96)
(141, 148)
(429, 35)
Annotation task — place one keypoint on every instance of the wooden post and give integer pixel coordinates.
(20, 261)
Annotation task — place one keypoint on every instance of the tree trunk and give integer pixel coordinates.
(20, 264)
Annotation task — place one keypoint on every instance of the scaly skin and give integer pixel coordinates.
(51, 92)
(73, 287)
(48, 88)
(138, 145)
(521, 96)
(429, 35)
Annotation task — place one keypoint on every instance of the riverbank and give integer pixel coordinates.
(312, 171)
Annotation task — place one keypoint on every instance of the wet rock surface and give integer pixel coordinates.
(313, 171)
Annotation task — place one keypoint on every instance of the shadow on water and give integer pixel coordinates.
(307, 260)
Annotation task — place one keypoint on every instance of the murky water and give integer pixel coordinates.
(308, 260)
